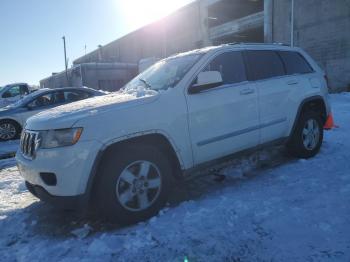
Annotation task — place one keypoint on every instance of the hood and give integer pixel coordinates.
(67, 115)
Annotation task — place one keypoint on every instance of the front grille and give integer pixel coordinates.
(29, 143)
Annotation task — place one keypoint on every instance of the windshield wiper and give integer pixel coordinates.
(146, 83)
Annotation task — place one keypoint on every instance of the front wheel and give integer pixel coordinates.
(9, 130)
(307, 138)
(133, 185)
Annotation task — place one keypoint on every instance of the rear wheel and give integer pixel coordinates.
(9, 130)
(133, 184)
(307, 138)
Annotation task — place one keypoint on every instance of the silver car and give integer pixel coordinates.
(14, 116)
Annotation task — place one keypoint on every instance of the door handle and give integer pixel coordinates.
(292, 82)
(247, 91)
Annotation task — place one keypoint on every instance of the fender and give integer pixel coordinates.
(11, 118)
(143, 133)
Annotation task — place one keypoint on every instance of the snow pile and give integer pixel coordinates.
(13, 193)
(298, 211)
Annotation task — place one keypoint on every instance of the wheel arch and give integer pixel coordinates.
(161, 140)
(12, 120)
(315, 103)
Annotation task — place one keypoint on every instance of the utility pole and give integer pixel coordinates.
(65, 58)
(292, 25)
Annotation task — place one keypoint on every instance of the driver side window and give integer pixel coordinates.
(42, 101)
(231, 67)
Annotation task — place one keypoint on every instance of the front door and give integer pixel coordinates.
(224, 120)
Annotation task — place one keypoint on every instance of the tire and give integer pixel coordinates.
(9, 130)
(126, 190)
(307, 137)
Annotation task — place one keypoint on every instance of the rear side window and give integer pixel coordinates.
(264, 64)
(231, 67)
(295, 63)
(75, 95)
(58, 98)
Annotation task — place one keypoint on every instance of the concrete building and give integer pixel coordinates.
(199, 24)
(321, 27)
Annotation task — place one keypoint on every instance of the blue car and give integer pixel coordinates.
(14, 116)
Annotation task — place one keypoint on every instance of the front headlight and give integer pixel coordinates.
(59, 137)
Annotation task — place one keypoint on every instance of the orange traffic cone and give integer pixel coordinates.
(329, 123)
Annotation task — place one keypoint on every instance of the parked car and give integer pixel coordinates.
(12, 93)
(181, 115)
(14, 116)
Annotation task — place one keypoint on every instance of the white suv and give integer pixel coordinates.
(119, 153)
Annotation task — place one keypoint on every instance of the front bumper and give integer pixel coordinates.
(72, 166)
(64, 202)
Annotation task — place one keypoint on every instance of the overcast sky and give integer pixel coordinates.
(31, 31)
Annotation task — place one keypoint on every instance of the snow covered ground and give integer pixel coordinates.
(295, 210)
(7, 151)
(8, 147)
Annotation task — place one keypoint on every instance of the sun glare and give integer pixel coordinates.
(141, 12)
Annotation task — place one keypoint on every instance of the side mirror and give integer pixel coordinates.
(206, 80)
(7, 94)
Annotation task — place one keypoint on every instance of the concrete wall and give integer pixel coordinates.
(103, 76)
(322, 28)
(107, 78)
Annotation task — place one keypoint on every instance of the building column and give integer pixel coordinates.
(268, 21)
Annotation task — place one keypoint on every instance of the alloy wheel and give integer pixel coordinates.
(139, 185)
(311, 134)
(7, 131)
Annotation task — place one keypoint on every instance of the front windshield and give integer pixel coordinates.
(164, 74)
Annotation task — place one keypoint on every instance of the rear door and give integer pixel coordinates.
(267, 71)
(224, 120)
(43, 102)
(299, 78)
